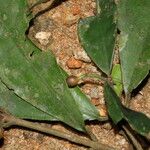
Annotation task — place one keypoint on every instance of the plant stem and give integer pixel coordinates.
(132, 138)
(8, 119)
(124, 134)
(92, 76)
(127, 99)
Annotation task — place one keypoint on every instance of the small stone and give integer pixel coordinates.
(82, 55)
(75, 10)
(121, 141)
(95, 101)
(43, 37)
(73, 63)
(103, 112)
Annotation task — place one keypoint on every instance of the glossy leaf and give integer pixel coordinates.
(34, 76)
(117, 79)
(134, 42)
(138, 121)
(97, 35)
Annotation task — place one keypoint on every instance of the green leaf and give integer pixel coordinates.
(34, 76)
(113, 104)
(97, 35)
(18, 107)
(134, 42)
(138, 121)
(117, 79)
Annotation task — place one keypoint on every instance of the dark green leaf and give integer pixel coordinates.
(138, 121)
(113, 104)
(36, 79)
(97, 35)
(134, 42)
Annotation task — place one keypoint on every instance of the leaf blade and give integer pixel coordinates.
(137, 120)
(97, 36)
(134, 24)
(18, 107)
(112, 101)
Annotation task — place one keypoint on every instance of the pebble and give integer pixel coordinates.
(81, 55)
(76, 10)
(43, 37)
(95, 101)
(73, 63)
(103, 112)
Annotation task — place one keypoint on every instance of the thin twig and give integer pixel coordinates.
(11, 120)
(124, 134)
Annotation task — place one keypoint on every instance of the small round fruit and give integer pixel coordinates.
(72, 81)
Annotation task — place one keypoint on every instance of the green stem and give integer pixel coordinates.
(93, 76)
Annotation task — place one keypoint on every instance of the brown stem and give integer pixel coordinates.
(72, 138)
(124, 134)
(132, 138)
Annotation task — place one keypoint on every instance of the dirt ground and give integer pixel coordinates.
(56, 30)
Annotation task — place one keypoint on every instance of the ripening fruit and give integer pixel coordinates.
(72, 81)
